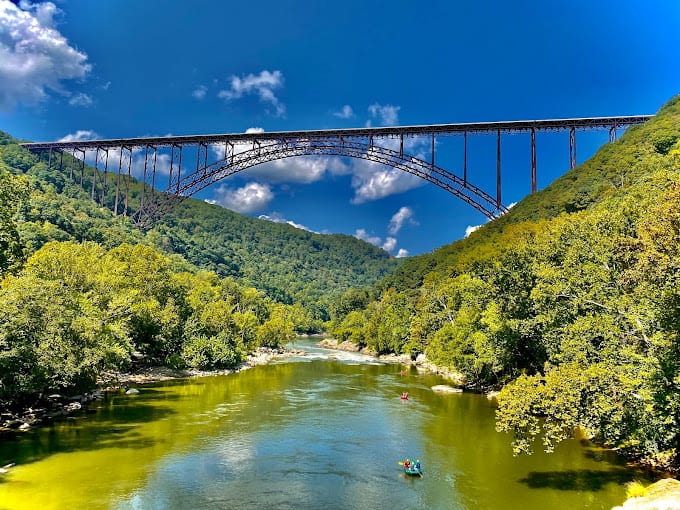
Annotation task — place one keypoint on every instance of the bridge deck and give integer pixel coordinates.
(515, 126)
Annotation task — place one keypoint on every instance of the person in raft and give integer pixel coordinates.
(407, 464)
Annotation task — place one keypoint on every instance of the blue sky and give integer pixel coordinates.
(108, 69)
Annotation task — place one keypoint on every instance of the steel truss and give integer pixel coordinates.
(269, 146)
(204, 176)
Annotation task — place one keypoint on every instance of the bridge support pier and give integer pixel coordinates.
(465, 158)
(153, 174)
(146, 161)
(432, 160)
(73, 156)
(106, 172)
(572, 148)
(82, 168)
(120, 166)
(94, 173)
(179, 168)
(533, 160)
(498, 169)
(127, 183)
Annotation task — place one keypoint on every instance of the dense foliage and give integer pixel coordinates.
(570, 302)
(288, 264)
(83, 291)
(77, 309)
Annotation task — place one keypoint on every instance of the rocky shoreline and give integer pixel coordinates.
(420, 363)
(56, 406)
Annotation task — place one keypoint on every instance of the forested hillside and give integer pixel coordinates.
(83, 292)
(290, 265)
(570, 302)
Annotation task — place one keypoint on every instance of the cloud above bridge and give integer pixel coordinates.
(345, 112)
(80, 135)
(386, 115)
(262, 85)
(35, 57)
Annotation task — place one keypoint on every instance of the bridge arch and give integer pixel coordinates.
(270, 150)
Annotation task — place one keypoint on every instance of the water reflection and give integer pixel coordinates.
(324, 431)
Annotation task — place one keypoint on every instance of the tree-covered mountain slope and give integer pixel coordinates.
(614, 167)
(570, 303)
(287, 263)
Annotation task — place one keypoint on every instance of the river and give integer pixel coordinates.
(323, 431)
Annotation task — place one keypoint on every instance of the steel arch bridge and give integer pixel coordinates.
(246, 150)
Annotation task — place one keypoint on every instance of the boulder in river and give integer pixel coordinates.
(132, 391)
(662, 495)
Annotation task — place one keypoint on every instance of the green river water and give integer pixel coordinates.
(325, 431)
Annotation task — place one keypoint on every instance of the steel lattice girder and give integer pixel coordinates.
(192, 183)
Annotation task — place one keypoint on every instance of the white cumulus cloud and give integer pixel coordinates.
(294, 170)
(200, 92)
(386, 115)
(278, 218)
(345, 112)
(262, 85)
(470, 229)
(365, 236)
(80, 99)
(248, 199)
(389, 244)
(404, 214)
(34, 56)
(301, 170)
(372, 181)
(80, 135)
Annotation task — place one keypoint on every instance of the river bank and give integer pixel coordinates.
(56, 406)
(420, 363)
